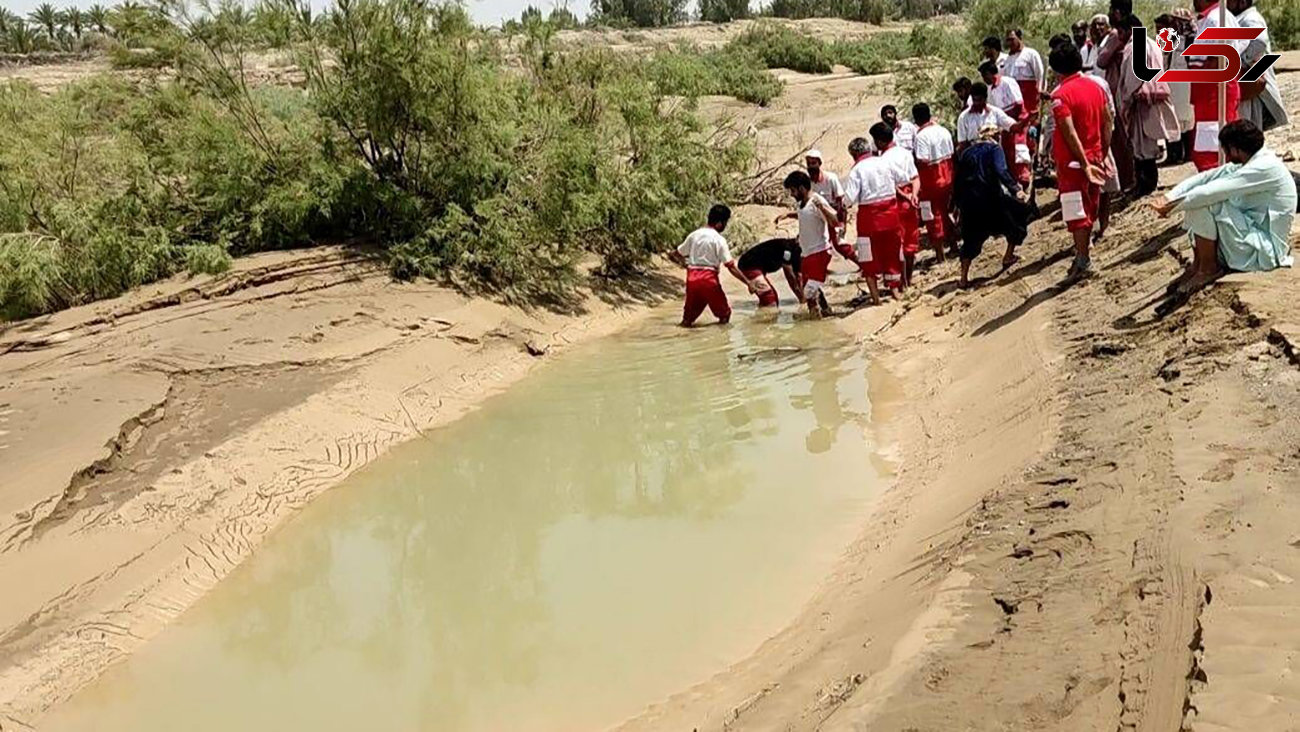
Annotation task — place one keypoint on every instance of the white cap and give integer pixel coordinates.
(813, 154)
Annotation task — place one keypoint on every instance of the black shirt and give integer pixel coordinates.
(769, 256)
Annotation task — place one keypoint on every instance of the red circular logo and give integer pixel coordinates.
(1167, 39)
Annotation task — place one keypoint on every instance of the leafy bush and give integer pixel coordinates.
(690, 72)
(499, 179)
(873, 55)
(866, 11)
(937, 55)
(123, 58)
(797, 9)
(415, 134)
(995, 17)
(723, 11)
(638, 13)
(207, 259)
(784, 48)
(104, 187)
(1283, 24)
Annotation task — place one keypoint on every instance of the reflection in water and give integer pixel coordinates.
(638, 515)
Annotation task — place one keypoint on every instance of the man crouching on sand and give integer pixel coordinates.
(818, 233)
(703, 253)
(1238, 215)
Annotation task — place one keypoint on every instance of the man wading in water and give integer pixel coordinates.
(817, 235)
(703, 253)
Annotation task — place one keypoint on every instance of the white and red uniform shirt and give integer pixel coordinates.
(1005, 94)
(905, 135)
(1026, 65)
(969, 122)
(901, 164)
(814, 235)
(828, 186)
(1025, 68)
(705, 248)
(870, 181)
(933, 144)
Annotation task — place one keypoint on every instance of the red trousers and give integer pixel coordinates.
(1029, 91)
(1205, 110)
(1011, 141)
(936, 190)
(1080, 198)
(908, 218)
(704, 290)
(880, 241)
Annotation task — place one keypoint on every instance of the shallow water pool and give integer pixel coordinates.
(632, 518)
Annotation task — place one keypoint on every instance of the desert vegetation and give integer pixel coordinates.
(412, 133)
(489, 159)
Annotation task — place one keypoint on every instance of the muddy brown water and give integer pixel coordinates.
(634, 517)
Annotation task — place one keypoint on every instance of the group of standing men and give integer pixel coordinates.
(1105, 130)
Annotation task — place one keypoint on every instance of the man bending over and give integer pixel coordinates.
(766, 257)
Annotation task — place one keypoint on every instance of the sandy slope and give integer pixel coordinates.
(1090, 527)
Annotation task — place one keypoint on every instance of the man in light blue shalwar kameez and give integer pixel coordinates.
(1238, 215)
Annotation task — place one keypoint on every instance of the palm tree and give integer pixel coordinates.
(75, 19)
(47, 18)
(98, 17)
(7, 20)
(20, 38)
(130, 21)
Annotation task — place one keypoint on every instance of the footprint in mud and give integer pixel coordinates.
(1223, 472)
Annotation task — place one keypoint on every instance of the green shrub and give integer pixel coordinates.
(690, 72)
(416, 134)
(207, 259)
(723, 11)
(874, 55)
(638, 13)
(123, 58)
(797, 9)
(995, 17)
(783, 48)
(105, 186)
(1283, 24)
(504, 180)
(865, 11)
